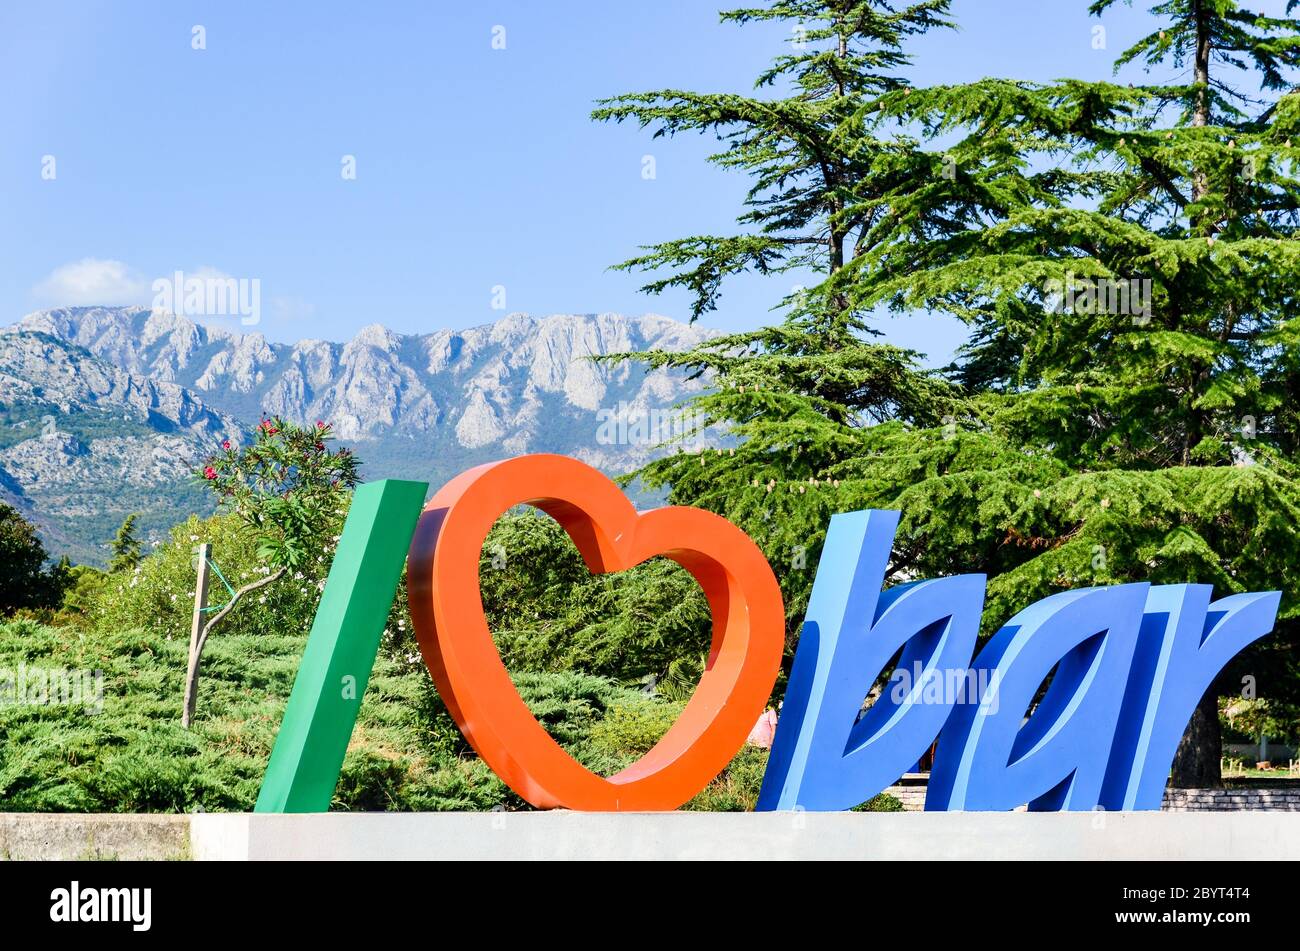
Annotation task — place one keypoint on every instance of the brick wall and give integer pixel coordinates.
(1281, 799)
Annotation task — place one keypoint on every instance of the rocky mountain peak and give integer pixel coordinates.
(413, 405)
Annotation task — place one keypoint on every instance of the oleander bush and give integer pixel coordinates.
(158, 594)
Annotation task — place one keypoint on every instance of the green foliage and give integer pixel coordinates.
(1248, 720)
(134, 756)
(827, 192)
(1087, 443)
(286, 489)
(1237, 37)
(126, 546)
(288, 494)
(736, 790)
(1108, 445)
(158, 595)
(881, 802)
(25, 579)
(548, 612)
(85, 584)
(633, 725)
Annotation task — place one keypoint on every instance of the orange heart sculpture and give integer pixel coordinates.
(447, 608)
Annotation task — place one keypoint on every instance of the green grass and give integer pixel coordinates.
(133, 755)
(1279, 776)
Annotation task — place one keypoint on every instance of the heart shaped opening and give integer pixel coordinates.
(606, 662)
(458, 532)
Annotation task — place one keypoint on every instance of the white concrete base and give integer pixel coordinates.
(1225, 836)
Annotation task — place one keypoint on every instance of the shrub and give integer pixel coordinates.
(286, 490)
(548, 612)
(633, 725)
(882, 802)
(85, 582)
(736, 790)
(158, 594)
(25, 580)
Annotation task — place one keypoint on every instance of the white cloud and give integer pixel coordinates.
(206, 272)
(291, 308)
(92, 281)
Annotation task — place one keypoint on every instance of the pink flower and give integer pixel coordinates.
(320, 424)
(209, 472)
(225, 444)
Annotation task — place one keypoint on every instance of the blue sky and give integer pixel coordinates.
(476, 167)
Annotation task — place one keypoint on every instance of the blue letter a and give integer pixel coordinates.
(824, 755)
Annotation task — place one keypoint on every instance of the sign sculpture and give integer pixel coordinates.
(748, 630)
(1128, 663)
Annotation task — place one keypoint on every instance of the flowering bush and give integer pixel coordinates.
(287, 490)
(158, 594)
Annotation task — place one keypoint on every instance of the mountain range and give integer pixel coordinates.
(104, 410)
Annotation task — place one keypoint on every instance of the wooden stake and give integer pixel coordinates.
(196, 627)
